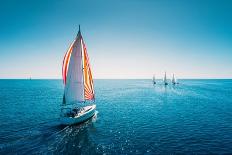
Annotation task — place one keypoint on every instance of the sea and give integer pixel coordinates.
(132, 117)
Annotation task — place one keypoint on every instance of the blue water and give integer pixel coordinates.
(134, 117)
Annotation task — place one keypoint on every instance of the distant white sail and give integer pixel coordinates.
(173, 79)
(165, 78)
(153, 79)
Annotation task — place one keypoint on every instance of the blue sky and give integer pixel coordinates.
(124, 38)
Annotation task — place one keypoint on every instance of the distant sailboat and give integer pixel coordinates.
(165, 79)
(153, 80)
(78, 81)
(173, 80)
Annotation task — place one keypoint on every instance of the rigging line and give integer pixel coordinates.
(82, 66)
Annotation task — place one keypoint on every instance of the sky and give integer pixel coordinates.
(126, 39)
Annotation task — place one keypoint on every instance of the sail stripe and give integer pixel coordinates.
(87, 89)
(88, 95)
(66, 62)
(87, 86)
(64, 66)
(88, 80)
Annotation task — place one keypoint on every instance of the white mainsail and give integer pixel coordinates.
(173, 79)
(154, 79)
(74, 86)
(165, 78)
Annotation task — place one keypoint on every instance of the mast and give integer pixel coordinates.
(165, 79)
(82, 60)
(173, 79)
(154, 79)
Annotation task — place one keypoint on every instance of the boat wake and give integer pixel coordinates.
(47, 137)
(72, 138)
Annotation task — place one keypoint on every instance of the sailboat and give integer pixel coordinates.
(173, 80)
(153, 80)
(165, 79)
(78, 99)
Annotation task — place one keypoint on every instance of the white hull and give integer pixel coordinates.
(81, 117)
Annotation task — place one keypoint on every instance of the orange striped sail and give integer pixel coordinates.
(88, 79)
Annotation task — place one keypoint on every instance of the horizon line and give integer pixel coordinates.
(117, 79)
